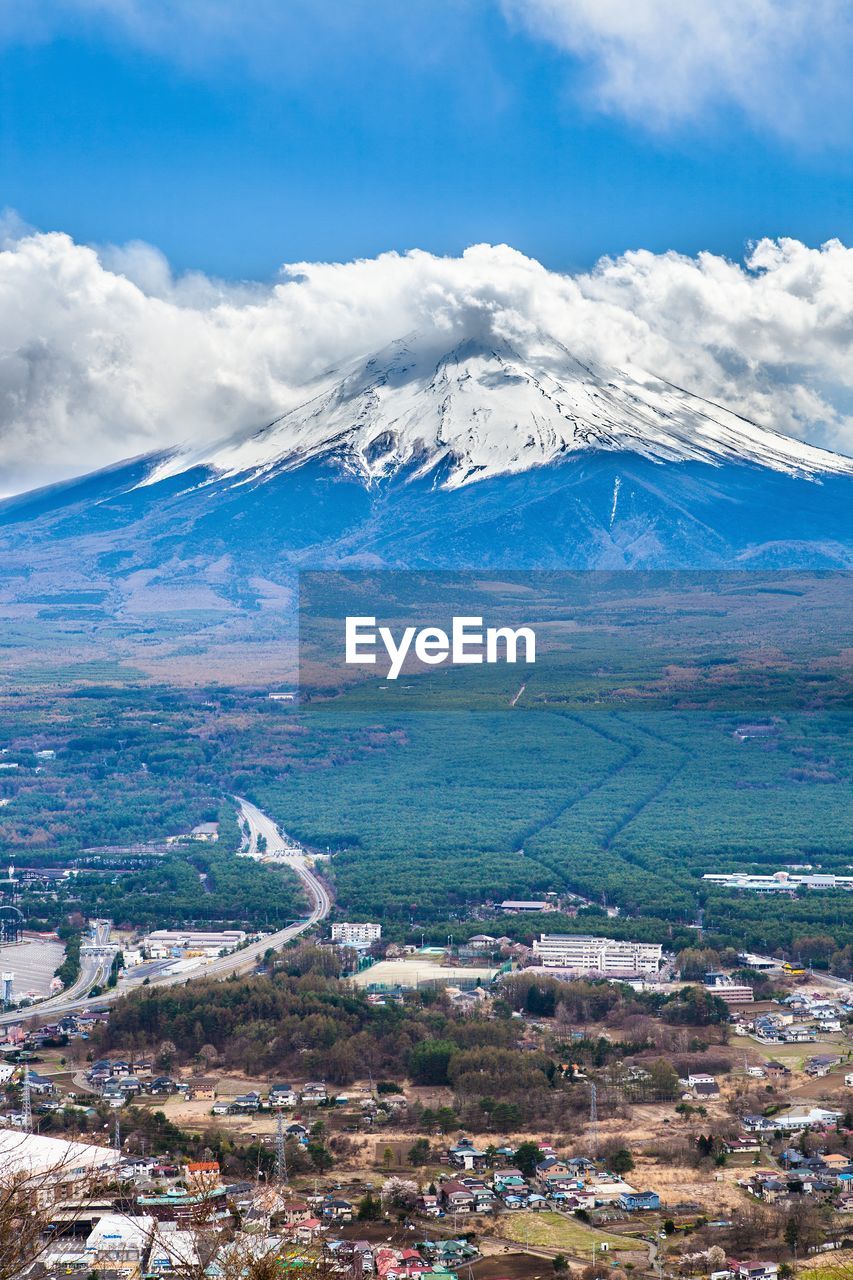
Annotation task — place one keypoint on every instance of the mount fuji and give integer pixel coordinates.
(470, 457)
(480, 410)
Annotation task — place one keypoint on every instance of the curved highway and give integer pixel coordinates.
(277, 852)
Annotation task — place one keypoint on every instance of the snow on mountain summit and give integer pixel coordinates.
(481, 410)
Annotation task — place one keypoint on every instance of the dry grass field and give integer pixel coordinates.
(555, 1231)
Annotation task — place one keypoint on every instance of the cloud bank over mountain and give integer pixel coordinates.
(105, 354)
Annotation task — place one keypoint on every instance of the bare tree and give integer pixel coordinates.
(30, 1187)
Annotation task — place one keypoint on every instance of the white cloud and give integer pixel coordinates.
(105, 355)
(785, 64)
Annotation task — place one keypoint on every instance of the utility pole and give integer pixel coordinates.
(280, 1154)
(27, 1103)
(593, 1119)
(117, 1134)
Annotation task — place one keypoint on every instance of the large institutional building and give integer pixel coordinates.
(607, 956)
(778, 882)
(356, 935)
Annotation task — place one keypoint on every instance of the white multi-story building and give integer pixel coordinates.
(356, 935)
(778, 882)
(586, 954)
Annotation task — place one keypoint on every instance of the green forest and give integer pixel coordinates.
(299, 1019)
(619, 779)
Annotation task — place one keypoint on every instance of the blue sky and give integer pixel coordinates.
(346, 129)
(161, 161)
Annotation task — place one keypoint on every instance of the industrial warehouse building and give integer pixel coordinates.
(165, 943)
(52, 1168)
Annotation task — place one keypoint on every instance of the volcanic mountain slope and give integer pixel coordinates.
(481, 410)
(413, 458)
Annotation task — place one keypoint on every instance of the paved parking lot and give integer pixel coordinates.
(33, 962)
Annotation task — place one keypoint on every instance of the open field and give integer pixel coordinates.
(795, 1055)
(507, 1265)
(679, 1184)
(418, 971)
(837, 1265)
(554, 1231)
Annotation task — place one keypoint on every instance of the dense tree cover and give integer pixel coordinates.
(586, 1001)
(438, 799)
(308, 1023)
(315, 1025)
(633, 807)
(69, 971)
(131, 767)
(429, 1061)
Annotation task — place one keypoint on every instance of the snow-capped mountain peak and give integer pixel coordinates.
(480, 409)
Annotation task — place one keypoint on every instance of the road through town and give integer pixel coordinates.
(277, 851)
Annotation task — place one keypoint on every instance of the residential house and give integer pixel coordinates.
(456, 1197)
(768, 1188)
(755, 1270)
(201, 1175)
(639, 1201)
(511, 1180)
(798, 1033)
(247, 1102)
(314, 1093)
(202, 1090)
(306, 1231)
(821, 1064)
(742, 1146)
(40, 1085)
(776, 1070)
(466, 1156)
(282, 1095)
(551, 1167)
(295, 1211)
(336, 1209)
(161, 1084)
